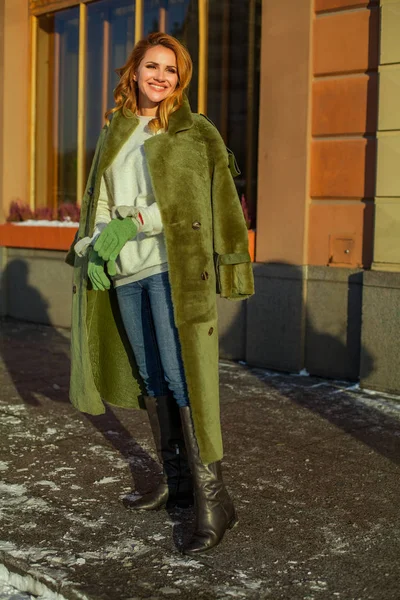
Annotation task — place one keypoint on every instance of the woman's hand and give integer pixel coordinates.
(114, 237)
(96, 272)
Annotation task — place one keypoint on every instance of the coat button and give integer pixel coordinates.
(90, 191)
(196, 225)
(204, 275)
(211, 331)
(74, 289)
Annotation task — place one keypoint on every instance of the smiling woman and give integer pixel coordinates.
(161, 229)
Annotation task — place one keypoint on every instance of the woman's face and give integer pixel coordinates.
(157, 77)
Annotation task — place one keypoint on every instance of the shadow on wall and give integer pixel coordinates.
(300, 317)
(39, 365)
(324, 338)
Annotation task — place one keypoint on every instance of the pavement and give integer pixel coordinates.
(313, 466)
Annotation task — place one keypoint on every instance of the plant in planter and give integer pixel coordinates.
(69, 212)
(22, 212)
(19, 212)
(37, 233)
(44, 213)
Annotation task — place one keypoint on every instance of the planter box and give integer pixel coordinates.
(252, 244)
(43, 238)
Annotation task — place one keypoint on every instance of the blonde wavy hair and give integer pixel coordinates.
(126, 94)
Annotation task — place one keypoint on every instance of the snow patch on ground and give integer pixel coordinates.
(13, 489)
(25, 583)
(59, 469)
(11, 593)
(303, 373)
(49, 484)
(106, 480)
(172, 561)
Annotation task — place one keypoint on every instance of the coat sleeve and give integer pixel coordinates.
(232, 259)
(70, 256)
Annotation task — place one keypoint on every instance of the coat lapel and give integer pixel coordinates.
(181, 119)
(159, 151)
(120, 129)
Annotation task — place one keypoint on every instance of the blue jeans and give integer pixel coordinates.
(147, 313)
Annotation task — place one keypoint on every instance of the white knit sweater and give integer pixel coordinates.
(126, 190)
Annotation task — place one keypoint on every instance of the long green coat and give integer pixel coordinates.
(207, 248)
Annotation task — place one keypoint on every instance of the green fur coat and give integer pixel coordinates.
(207, 248)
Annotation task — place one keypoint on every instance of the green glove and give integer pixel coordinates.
(114, 237)
(96, 272)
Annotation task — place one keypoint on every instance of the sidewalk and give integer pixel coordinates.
(313, 466)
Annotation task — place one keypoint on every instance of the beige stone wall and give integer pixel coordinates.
(283, 131)
(14, 104)
(387, 213)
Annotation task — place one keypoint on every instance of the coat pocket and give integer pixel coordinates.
(234, 276)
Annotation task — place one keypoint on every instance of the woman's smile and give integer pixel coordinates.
(157, 86)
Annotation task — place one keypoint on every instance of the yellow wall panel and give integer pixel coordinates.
(387, 231)
(389, 97)
(390, 36)
(388, 179)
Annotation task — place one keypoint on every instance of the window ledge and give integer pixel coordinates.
(36, 236)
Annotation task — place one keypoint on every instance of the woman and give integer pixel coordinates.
(161, 220)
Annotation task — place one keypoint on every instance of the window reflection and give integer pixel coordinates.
(180, 19)
(111, 32)
(65, 78)
(233, 84)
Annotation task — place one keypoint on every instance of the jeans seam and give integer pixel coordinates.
(160, 370)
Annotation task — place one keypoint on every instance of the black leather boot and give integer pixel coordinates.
(214, 508)
(175, 487)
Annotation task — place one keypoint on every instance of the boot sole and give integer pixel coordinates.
(231, 525)
(168, 504)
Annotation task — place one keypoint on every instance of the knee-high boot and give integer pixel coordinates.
(215, 512)
(175, 487)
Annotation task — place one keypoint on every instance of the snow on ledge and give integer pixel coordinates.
(34, 223)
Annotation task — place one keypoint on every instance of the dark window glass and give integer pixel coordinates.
(233, 84)
(111, 33)
(154, 17)
(180, 19)
(65, 125)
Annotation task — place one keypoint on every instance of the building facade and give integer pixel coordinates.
(305, 92)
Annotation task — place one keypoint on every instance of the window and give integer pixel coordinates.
(179, 18)
(87, 42)
(57, 108)
(110, 38)
(234, 35)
